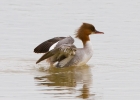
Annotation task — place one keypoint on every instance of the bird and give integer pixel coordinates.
(61, 51)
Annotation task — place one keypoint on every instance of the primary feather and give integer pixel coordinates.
(44, 47)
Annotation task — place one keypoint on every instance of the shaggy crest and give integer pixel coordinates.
(84, 31)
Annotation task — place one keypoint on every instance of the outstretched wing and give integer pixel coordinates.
(63, 54)
(44, 47)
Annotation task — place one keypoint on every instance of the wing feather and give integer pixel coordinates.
(44, 47)
(64, 54)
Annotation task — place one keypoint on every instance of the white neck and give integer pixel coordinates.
(88, 44)
(88, 47)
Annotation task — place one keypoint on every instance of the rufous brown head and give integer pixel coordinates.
(85, 30)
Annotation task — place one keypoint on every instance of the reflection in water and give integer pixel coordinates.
(84, 92)
(66, 82)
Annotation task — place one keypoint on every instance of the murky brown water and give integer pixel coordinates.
(111, 74)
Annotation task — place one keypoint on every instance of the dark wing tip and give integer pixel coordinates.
(47, 55)
(44, 47)
(37, 62)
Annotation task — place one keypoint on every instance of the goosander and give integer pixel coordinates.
(61, 52)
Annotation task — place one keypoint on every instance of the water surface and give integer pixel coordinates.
(111, 74)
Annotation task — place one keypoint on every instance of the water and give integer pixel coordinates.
(111, 74)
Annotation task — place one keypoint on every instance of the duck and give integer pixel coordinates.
(61, 51)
